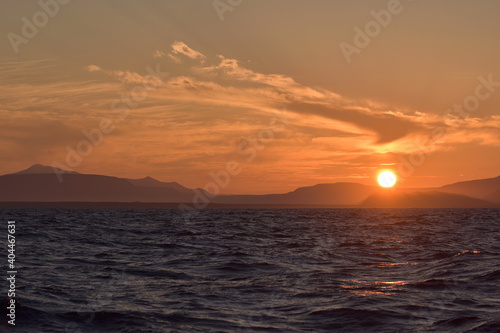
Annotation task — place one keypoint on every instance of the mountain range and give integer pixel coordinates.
(40, 184)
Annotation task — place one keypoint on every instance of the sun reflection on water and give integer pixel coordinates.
(368, 288)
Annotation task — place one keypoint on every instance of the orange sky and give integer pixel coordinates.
(169, 90)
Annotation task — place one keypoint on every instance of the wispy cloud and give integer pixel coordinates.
(93, 68)
(194, 120)
(183, 49)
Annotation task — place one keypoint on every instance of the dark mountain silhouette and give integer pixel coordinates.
(40, 183)
(341, 194)
(423, 199)
(487, 189)
(85, 188)
(494, 197)
(42, 169)
(151, 182)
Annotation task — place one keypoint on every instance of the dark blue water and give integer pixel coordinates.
(351, 270)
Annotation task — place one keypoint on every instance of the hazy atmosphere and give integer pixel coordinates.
(295, 92)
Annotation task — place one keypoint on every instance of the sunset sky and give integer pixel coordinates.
(265, 83)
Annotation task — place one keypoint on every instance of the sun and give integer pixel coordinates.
(387, 179)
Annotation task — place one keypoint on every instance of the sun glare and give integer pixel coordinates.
(387, 179)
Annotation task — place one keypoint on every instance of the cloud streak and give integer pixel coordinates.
(192, 121)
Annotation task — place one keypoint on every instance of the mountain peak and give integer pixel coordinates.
(152, 182)
(146, 180)
(36, 167)
(41, 169)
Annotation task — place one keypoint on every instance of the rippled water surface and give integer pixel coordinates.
(257, 270)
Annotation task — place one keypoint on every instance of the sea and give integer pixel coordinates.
(252, 270)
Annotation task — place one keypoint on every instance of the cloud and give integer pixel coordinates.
(158, 54)
(385, 124)
(193, 121)
(93, 68)
(128, 77)
(179, 49)
(387, 127)
(182, 48)
(230, 69)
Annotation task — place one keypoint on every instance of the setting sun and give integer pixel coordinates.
(387, 179)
